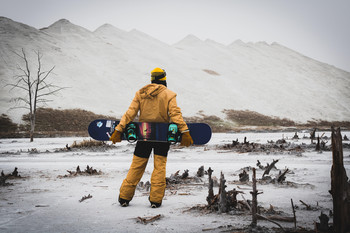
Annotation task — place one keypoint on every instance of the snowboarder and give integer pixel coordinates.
(156, 103)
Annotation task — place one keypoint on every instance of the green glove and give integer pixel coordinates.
(116, 137)
(186, 139)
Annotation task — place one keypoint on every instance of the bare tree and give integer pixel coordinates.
(35, 86)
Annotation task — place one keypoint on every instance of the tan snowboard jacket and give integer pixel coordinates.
(156, 103)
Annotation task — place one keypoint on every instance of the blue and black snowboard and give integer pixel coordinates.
(102, 130)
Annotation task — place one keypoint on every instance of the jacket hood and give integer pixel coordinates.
(151, 90)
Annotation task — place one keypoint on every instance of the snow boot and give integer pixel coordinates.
(155, 205)
(123, 202)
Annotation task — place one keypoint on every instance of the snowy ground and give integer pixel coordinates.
(43, 202)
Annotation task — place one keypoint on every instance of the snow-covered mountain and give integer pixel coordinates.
(104, 68)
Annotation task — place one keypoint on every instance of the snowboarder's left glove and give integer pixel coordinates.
(116, 137)
(186, 139)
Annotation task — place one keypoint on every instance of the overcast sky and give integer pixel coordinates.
(316, 28)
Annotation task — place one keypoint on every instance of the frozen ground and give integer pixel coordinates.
(43, 202)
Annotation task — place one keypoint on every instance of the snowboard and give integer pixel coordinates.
(102, 129)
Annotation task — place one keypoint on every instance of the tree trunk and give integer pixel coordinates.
(32, 127)
(254, 200)
(318, 147)
(340, 188)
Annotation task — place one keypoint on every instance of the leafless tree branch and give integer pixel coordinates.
(35, 87)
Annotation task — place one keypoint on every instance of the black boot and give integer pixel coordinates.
(155, 204)
(123, 202)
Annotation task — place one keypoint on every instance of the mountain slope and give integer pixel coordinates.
(104, 68)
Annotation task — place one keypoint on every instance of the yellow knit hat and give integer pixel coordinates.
(158, 74)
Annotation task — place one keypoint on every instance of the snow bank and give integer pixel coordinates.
(103, 69)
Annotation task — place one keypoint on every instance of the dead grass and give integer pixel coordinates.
(216, 123)
(8, 129)
(238, 120)
(246, 117)
(6, 124)
(245, 120)
(74, 122)
(48, 119)
(51, 123)
(326, 124)
(87, 144)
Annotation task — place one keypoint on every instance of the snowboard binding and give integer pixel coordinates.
(173, 134)
(131, 133)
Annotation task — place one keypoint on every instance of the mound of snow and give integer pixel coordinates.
(103, 69)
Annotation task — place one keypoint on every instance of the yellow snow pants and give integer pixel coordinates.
(137, 168)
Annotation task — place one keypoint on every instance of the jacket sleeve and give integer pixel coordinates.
(176, 115)
(130, 114)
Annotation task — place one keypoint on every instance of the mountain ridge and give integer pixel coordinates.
(111, 64)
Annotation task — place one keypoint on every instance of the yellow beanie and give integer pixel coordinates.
(158, 74)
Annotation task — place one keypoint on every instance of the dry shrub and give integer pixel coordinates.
(246, 117)
(6, 124)
(216, 123)
(7, 127)
(74, 122)
(87, 144)
(48, 119)
(327, 124)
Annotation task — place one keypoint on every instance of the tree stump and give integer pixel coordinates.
(254, 201)
(210, 196)
(340, 188)
(244, 176)
(318, 147)
(312, 135)
(200, 172)
(282, 176)
(222, 195)
(269, 167)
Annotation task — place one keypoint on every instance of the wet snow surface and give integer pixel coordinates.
(43, 201)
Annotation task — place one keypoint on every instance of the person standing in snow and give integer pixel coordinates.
(156, 103)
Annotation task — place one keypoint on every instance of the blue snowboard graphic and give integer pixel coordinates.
(102, 129)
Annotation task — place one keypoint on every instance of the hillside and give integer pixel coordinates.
(103, 69)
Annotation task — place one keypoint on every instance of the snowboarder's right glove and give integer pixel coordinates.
(116, 137)
(186, 139)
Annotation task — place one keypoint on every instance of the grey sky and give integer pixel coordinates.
(317, 28)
